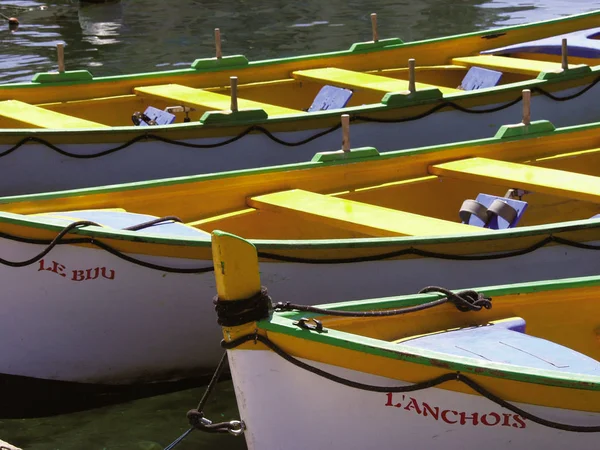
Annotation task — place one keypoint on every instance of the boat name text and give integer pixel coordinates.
(490, 419)
(76, 274)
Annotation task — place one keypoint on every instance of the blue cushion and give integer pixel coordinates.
(582, 44)
(330, 97)
(504, 342)
(497, 222)
(124, 219)
(159, 116)
(480, 78)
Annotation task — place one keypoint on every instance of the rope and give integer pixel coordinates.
(429, 254)
(464, 301)
(60, 240)
(412, 387)
(141, 226)
(271, 136)
(231, 314)
(196, 417)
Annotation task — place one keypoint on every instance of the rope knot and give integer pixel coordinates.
(464, 301)
(239, 312)
(195, 418)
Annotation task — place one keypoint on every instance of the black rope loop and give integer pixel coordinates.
(451, 376)
(271, 136)
(464, 301)
(430, 254)
(149, 223)
(61, 240)
(234, 313)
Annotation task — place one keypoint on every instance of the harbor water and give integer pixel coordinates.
(126, 36)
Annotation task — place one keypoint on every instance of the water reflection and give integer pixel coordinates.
(140, 35)
(100, 22)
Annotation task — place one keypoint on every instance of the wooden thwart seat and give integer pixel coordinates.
(184, 95)
(537, 179)
(358, 80)
(356, 216)
(511, 65)
(36, 117)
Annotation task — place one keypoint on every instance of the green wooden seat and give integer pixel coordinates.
(359, 80)
(212, 101)
(510, 65)
(538, 179)
(356, 216)
(35, 117)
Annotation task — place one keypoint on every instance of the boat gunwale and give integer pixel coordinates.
(413, 101)
(283, 323)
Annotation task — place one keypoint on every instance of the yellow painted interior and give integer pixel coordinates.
(358, 80)
(539, 179)
(183, 95)
(357, 216)
(31, 116)
(290, 86)
(548, 315)
(402, 184)
(523, 66)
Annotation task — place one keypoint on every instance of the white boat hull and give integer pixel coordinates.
(84, 315)
(36, 168)
(286, 407)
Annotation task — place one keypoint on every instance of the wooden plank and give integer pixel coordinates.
(356, 216)
(187, 96)
(507, 64)
(359, 80)
(36, 117)
(514, 175)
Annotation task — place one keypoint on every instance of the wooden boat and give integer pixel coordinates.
(135, 283)
(69, 129)
(495, 367)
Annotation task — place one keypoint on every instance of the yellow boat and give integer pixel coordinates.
(121, 262)
(515, 366)
(69, 129)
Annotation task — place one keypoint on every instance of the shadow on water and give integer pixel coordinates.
(146, 424)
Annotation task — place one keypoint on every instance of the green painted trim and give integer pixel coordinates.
(358, 48)
(280, 168)
(233, 118)
(365, 47)
(563, 75)
(283, 323)
(404, 99)
(354, 155)
(62, 77)
(226, 62)
(522, 130)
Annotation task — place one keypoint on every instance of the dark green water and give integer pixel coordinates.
(149, 35)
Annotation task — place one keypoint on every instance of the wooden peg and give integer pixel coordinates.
(564, 54)
(374, 27)
(412, 87)
(526, 107)
(218, 43)
(60, 50)
(345, 133)
(234, 101)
